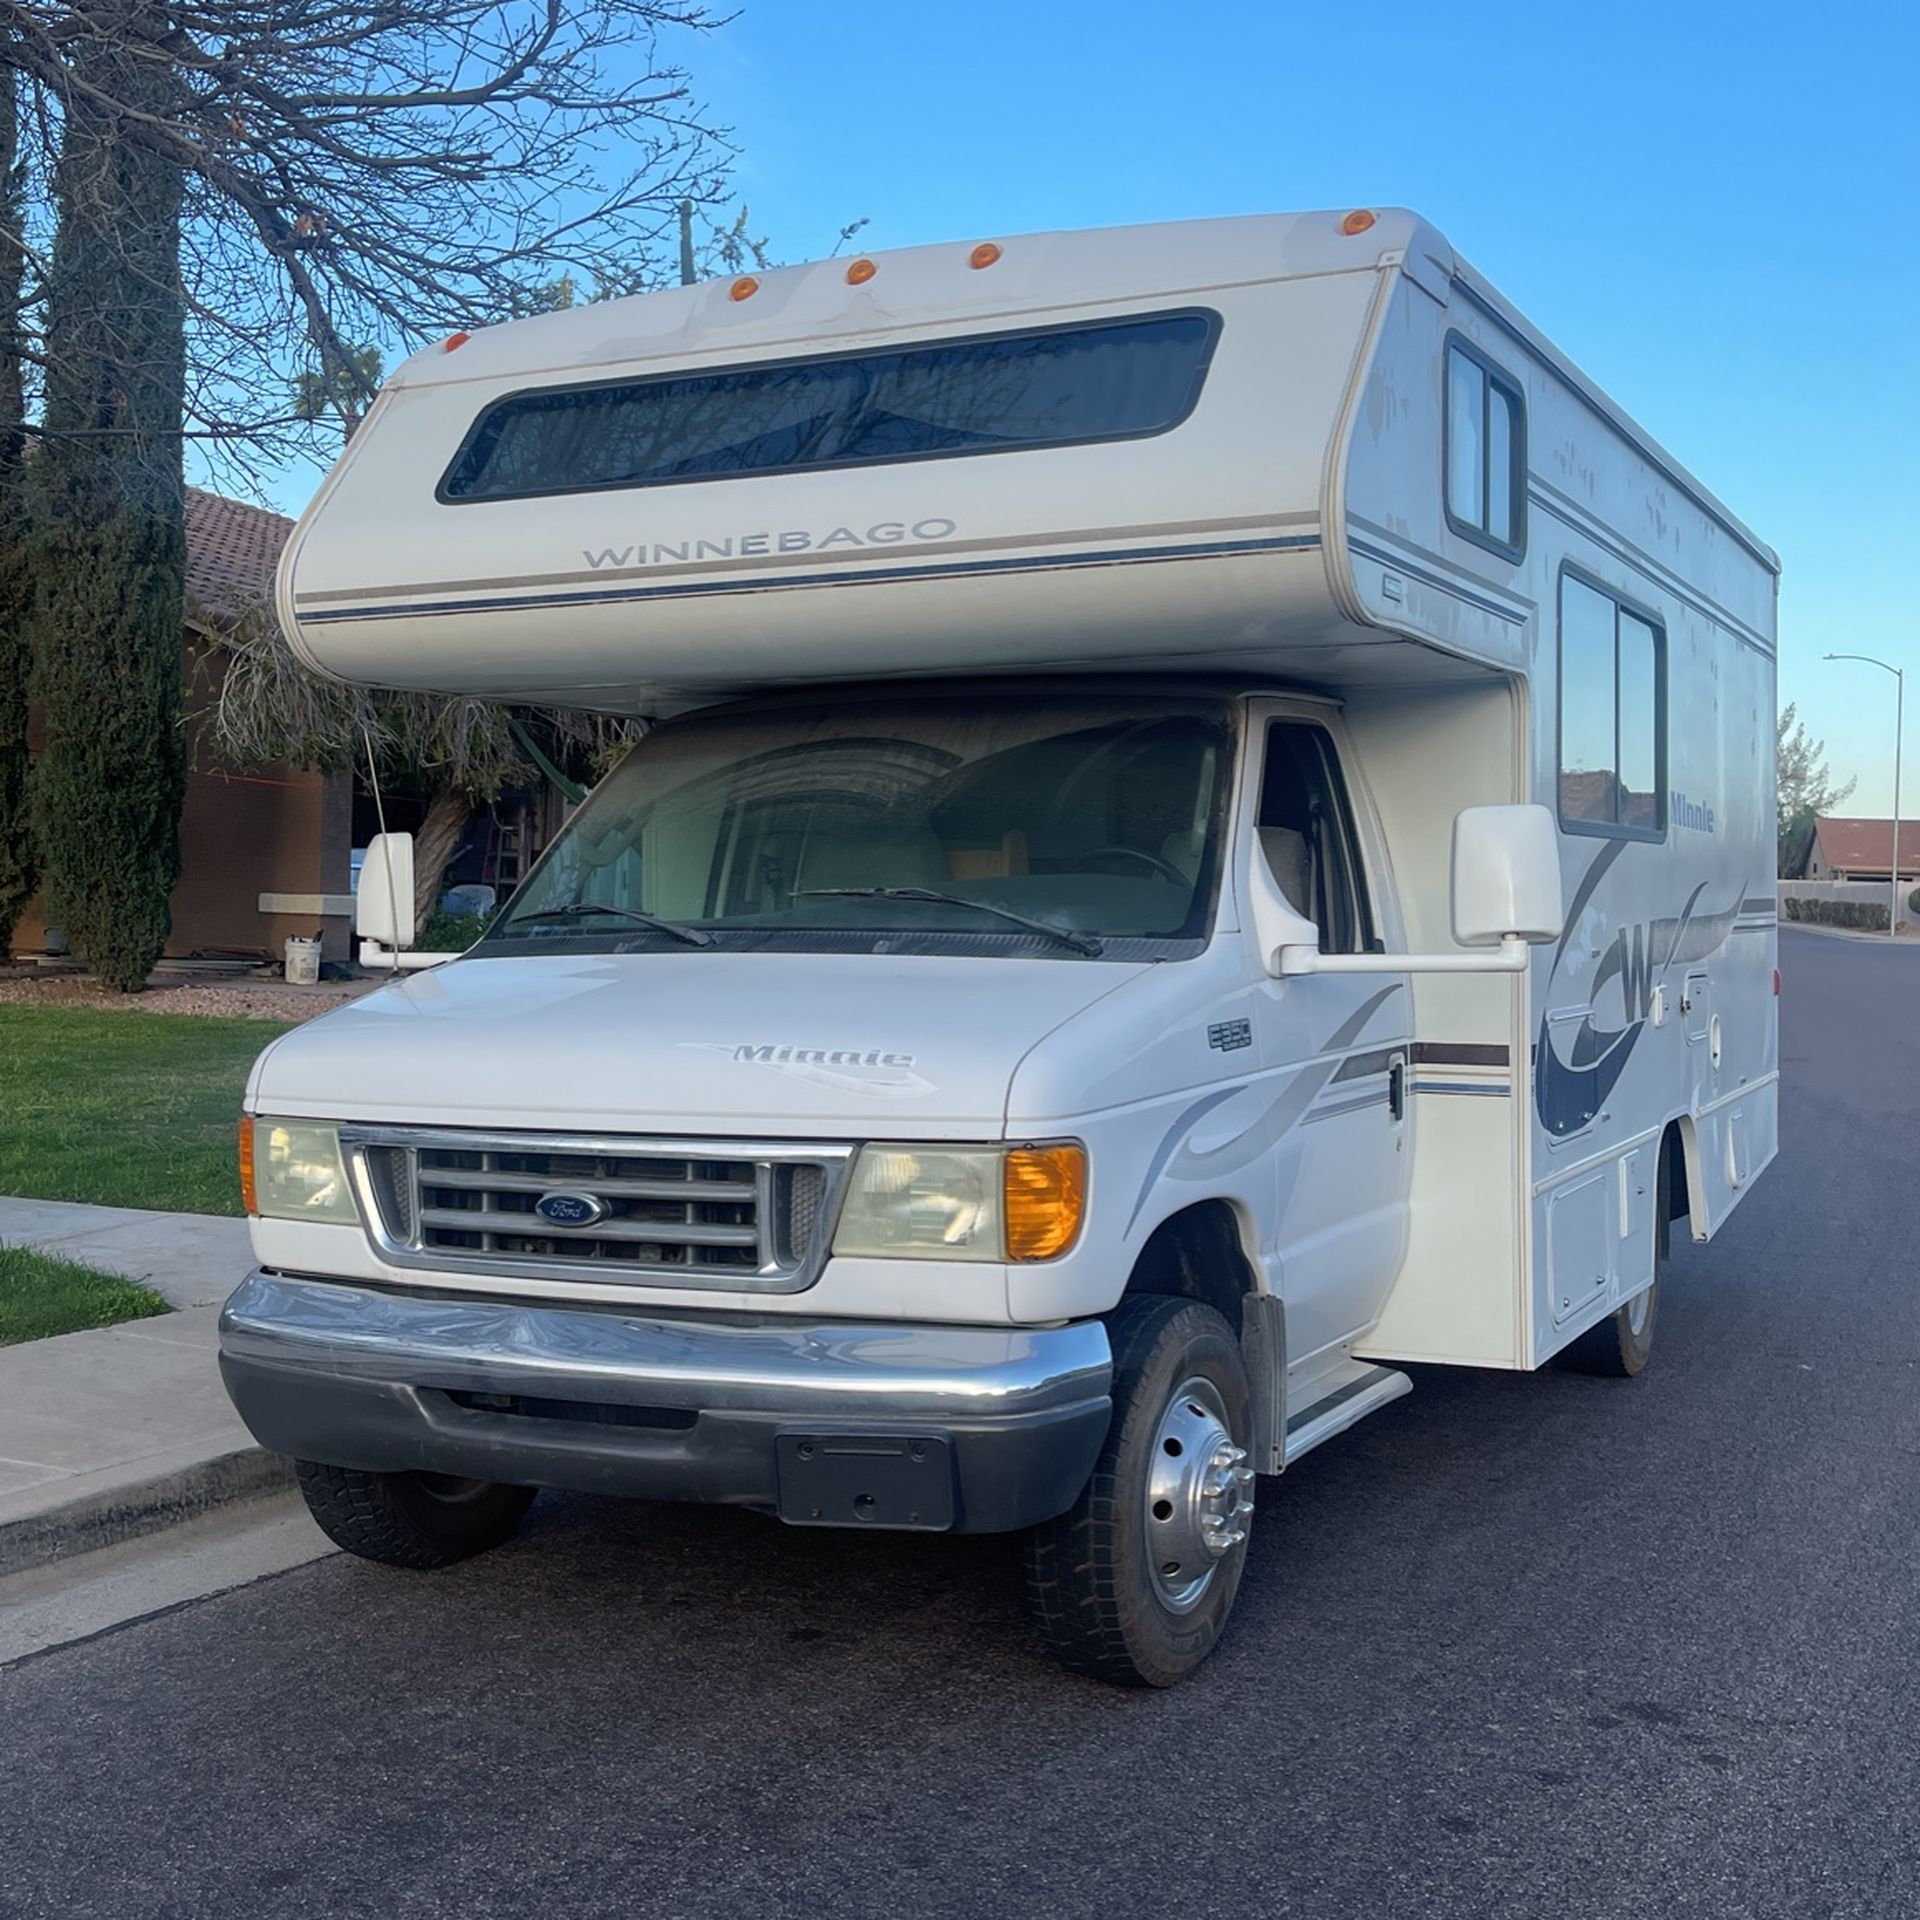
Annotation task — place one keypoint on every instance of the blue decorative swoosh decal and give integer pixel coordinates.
(1569, 1090)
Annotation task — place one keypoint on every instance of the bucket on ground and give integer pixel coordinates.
(303, 961)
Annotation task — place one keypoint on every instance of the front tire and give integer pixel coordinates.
(1135, 1581)
(418, 1520)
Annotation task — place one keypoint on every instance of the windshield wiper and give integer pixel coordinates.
(575, 909)
(1079, 942)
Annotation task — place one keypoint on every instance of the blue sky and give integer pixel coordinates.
(1710, 207)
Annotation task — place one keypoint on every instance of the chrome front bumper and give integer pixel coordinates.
(979, 1429)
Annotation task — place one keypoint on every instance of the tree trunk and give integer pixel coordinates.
(19, 863)
(106, 540)
(434, 847)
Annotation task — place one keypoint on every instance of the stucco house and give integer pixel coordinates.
(1862, 850)
(264, 852)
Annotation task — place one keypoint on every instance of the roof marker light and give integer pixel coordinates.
(744, 288)
(455, 340)
(1358, 221)
(860, 272)
(984, 255)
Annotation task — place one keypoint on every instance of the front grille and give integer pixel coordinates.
(696, 1215)
(690, 1214)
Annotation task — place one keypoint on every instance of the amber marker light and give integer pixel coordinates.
(860, 273)
(1358, 221)
(454, 340)
(249, 1200)
(744, 288)
(984, 255)
(1044, 1198)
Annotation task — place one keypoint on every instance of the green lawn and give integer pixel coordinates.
(40, 1295)
(123, 1109)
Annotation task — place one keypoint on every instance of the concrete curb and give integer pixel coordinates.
(147, 1496)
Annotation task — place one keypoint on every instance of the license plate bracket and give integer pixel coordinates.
(893, 1480)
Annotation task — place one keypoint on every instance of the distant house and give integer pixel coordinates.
(1862, 850)
(264, 852)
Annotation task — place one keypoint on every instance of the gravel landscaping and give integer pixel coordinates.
(223, 999)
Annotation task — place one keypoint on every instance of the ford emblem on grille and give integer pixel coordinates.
(571, 1209)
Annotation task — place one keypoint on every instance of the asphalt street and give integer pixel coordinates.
(1536, 1645)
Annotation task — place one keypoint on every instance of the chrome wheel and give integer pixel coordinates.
(1199, 1494)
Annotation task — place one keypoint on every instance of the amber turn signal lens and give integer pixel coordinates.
(1045, 1197)
(860, 273)
(454, 340)
(744, 288)
(1358, 221)
(984, 255)
(249, 1200)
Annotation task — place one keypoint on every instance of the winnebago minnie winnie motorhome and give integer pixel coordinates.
(1210, 831)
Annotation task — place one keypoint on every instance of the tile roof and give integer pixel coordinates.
(1847, 844)
(231, 552)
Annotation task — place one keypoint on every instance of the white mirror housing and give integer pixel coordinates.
(1506, 876)
(1506, 898)
(383, 894)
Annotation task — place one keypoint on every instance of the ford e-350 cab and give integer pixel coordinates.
(1194, 900)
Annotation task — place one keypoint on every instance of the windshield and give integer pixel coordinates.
(1075, 826)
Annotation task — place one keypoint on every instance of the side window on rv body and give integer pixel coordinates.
(1612, 714)
(1486, 453)
(1307, 836)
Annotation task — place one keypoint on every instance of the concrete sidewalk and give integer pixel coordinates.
(189, 1259)
(121, 1431)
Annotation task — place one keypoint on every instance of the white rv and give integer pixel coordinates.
(1209, 831)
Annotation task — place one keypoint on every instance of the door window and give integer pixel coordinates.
(1307, 836)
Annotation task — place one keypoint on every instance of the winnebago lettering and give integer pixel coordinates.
(752, 545)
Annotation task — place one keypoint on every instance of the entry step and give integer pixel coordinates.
(1340, 1399)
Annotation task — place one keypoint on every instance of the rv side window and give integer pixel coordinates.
(1612, 715)
(1486, 434)
(991, 393)
(1306, 834)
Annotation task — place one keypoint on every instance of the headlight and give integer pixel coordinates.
(963, 1203)
(292, 1170)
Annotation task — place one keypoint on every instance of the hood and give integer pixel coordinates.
(788, 1044)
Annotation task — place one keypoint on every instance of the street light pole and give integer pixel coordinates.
(1899, 702)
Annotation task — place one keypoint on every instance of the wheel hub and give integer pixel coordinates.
(1199, 1494)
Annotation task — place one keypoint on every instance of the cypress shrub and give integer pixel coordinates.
(18, 864)
(106, 538)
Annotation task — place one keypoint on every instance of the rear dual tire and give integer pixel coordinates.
(1622, 1344)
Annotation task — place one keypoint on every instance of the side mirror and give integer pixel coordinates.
(1506, 876)
(1506, 897)
(383, 895)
